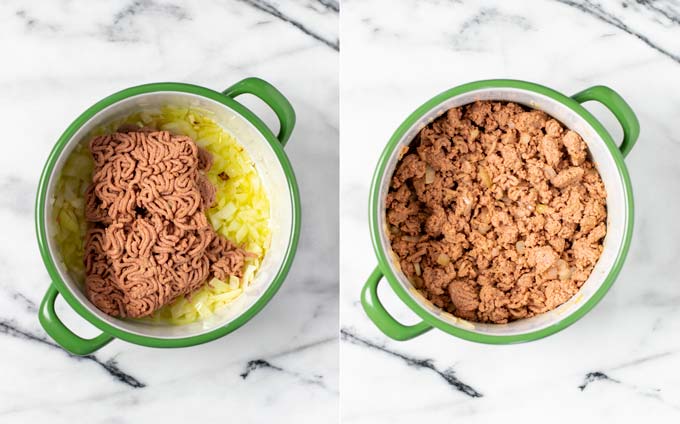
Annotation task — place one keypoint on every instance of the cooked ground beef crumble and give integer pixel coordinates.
(496, 212)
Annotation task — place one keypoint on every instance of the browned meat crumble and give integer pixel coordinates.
(496, 212)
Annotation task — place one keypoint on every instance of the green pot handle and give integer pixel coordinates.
(62, 335)
(381, 318)
(272, 97)
(621, 110)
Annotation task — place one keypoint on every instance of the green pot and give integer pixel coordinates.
(266, 151)
(610, 162)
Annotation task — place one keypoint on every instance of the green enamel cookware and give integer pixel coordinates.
(606, 153)
(273, 167)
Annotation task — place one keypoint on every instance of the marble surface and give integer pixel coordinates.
(621, 362)
(60, 57)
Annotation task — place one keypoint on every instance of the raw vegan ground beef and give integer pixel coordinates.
(149, 239)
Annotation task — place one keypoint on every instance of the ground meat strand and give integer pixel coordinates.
(511, 224)
(149, 240)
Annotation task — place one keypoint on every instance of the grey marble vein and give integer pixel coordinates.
(596, 10)
(486, 17)
(11, 329)
(272, 10)
(32, 23)
(123, 27)
(257, 364)
(303, 347)
(448, 374)
(642, 360)
(663, 8)
(596, 376)
(652, 393)
(316, 379)
(330, 5)
(29, 305)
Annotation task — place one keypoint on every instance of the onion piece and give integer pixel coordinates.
(484, 177)
(541, 208)
(549, 172)
(417, 268)
(429, 175)
(520, 247)
(468, 205)
(563, 270)
(443, 259)
(551, 273)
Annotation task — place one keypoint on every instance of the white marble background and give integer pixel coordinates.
(620, 363)
(60, 57)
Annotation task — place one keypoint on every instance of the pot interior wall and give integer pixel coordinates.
(271, 173)
(616, 207)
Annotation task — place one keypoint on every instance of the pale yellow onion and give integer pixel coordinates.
(429, 175)
(563, 270)
(551, 273)
(484, 177)
(549, 172)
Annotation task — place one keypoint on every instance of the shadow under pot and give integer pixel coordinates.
(606, 155)
(275, 172)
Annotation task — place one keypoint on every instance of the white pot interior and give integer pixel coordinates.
(617, 211)
(271, 173)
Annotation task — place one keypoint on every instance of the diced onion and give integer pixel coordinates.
(551, 273)
(417, 268)
(429, 175)
(541, 208)
(563, 270)
(443, 259)
(549, 172)
(520, 247)
(484, 177)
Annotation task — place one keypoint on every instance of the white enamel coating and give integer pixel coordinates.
(617, 212)
(272, 176)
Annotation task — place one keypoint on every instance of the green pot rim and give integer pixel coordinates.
(155, 341)
(374, 207)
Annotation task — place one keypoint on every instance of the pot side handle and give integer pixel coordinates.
(381, 318)
(272, 97)
(621, 110)
(62, 335)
